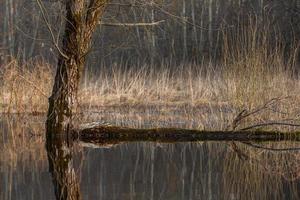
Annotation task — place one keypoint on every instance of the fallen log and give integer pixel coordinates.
(103, 134)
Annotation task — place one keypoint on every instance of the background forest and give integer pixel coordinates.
(196, 51)
(191, 30)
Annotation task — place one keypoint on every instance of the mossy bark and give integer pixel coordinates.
(82, 18)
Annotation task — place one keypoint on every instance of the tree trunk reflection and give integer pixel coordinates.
(66, 184)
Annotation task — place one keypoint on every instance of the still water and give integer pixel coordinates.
(202, 170)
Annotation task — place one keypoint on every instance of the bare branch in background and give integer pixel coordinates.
(133, 24)
(269, 124)
(54, 40)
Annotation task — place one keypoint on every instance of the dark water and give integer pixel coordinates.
(203, 170)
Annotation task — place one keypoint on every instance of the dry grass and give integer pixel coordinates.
(250, 74)
(257, 66)
(189, 94)
(25, 88)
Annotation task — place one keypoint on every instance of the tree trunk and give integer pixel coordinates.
(210, 27)
(195, 35)
(82, 18)
(184, 30)
(153, 37)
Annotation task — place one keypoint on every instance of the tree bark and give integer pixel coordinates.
(82, 18)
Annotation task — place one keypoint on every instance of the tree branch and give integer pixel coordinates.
(132, 24)
(50, 29)
(269, 124)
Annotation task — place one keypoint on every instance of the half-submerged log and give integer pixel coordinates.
(113, 134)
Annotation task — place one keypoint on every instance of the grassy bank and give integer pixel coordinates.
(253, 78)
(209, 94)
(26, 88)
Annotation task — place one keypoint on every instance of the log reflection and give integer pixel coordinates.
(66, 184)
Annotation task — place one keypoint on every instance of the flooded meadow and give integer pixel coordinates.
(30, 168)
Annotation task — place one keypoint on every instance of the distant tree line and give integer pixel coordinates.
(182, 30)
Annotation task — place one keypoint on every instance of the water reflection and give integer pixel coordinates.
(60, 158)
(203, 170)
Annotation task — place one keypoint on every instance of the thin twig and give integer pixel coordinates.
(133, 24)
(263, 107)
(31, 83)
(244, 114)
(269, 124)
(182, 20)
(50, 29)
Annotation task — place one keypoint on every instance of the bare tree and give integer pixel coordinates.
(82, 17)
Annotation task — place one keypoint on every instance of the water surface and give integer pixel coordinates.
(202, 170)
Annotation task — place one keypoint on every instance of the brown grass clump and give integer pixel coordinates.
(257, 66)
(25, 88)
